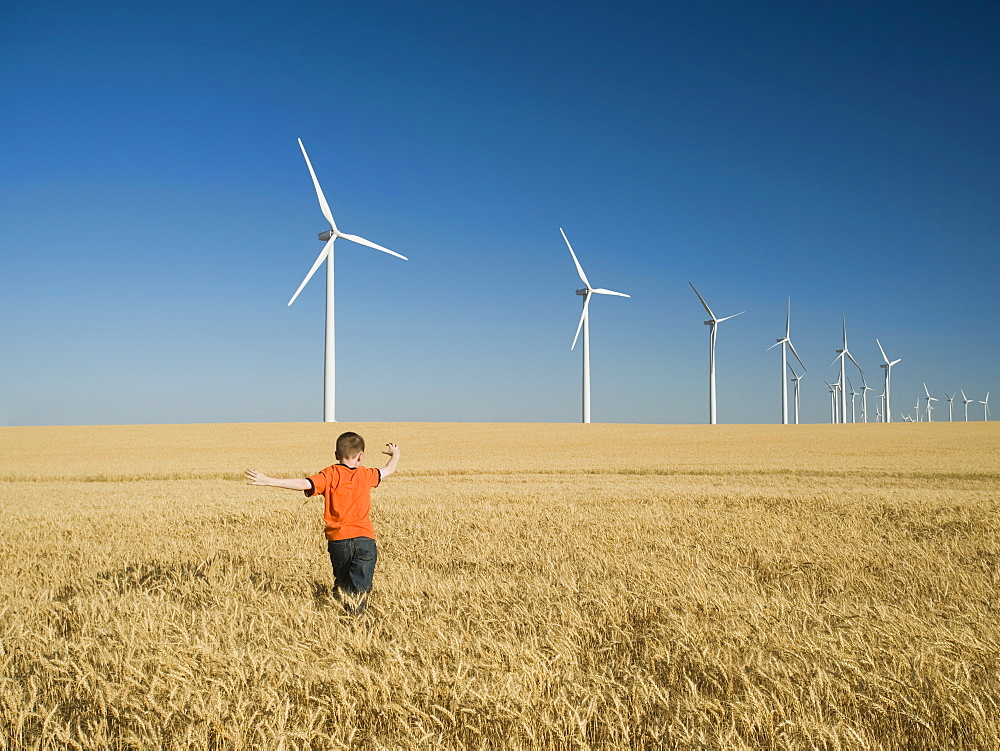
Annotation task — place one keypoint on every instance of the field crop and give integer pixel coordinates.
(539, 586)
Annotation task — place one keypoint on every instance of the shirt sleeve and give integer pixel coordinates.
(319, 484)
(374, 476)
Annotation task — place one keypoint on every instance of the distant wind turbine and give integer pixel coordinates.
(888, 377)
(833, 401)
(585, 325)
(785, 341)
(986, 407)
(329, 363)
(795, 380)
(842, 354)
(712, 334)
(865, 388)
(930, 407)
(967, 401)
(951, 400)
(854, 395)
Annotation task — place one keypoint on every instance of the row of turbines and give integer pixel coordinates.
(838, 390)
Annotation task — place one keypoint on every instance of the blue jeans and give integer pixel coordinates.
(353, 568)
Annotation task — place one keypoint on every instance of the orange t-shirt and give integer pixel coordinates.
(347, 497)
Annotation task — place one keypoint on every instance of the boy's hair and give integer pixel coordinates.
(349, 445)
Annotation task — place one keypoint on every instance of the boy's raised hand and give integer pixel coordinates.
(392, 449)
(256, 478)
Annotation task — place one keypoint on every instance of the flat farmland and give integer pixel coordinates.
(539, 586)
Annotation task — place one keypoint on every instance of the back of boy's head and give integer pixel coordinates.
(349, 445)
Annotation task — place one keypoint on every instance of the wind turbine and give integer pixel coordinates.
(880, 409)
(854, 395)
(841, 353)
(329, 237)
(986, 407)
(795, 380)
(784, 362)
(888, 377)
(951, 400)
(833, 401)
(916, 408)
(967, 401)
(585, 325)
(930, 407)
(712, 333)
(865, 388)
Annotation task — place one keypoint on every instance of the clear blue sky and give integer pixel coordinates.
(157, 214)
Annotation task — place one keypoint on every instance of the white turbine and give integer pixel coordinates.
(930, 407)
(865, 388)
(916, 408)
(833, 401)
(967, 402)
(784, 362)
(986, 407)
(951, 400)
(329, 363)
(795, 380)
(585, 325)
(712, 333)
(888, 377)
(841, 353)
(854, 396)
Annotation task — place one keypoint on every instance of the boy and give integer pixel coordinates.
(345, 487)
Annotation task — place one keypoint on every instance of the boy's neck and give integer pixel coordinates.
(353, 463)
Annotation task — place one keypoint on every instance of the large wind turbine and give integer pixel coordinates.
(330, 236)
(854, 396)
(888, 376)
(967, 401)
(841, 354)
(930, 407)
(986, 407)
(585, 325)
(787, 340)
(712, 333)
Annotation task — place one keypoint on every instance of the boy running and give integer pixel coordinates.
(345, 487)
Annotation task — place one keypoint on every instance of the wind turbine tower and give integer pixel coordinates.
(967, 402)
(888, 377)
(786, 341)
(329, 236)
(712, 334)
(986, 407)
(584, 324)
(865, 388)
(951, 400)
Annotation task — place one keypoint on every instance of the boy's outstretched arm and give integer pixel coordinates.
(393, 451)
(291, 483)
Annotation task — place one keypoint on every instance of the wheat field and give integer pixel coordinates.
(539, 586)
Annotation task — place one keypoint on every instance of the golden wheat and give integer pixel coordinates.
(539, 586)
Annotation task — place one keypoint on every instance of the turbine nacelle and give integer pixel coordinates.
(325, 236)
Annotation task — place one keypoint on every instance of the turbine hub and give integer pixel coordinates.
(583, 292)
(324, 236)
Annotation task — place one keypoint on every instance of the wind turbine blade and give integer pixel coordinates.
(926, 391)
(601, 291)
(882, 351)
(323, 205)
(579, 268)
(964, 397)
(370, 244)
(788, 321)
(895, 361)
(835, 359)
(732, 316)
(708, 309)
(797, 355)
(780, 341)
(319, 260)
(579, 326)
(847, 352)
